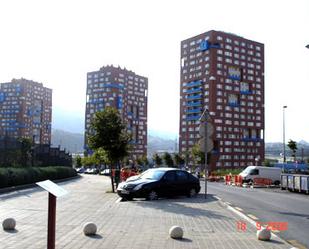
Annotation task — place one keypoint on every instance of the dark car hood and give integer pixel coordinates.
(140, 181)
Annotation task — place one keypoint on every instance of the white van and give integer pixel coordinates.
(252, 172)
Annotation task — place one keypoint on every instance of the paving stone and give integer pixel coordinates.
(134, 224)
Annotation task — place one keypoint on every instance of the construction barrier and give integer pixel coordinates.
(235, 180)
(263, 182)
(228, 179)
(126, 173)
(238, 180)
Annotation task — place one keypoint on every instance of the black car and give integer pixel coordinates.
(159, 182)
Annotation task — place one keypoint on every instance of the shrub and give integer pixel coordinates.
(18, 176)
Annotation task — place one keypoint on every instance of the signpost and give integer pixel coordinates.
(206, 130)
(54, 191)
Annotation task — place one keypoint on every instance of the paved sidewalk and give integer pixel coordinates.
(135, 224)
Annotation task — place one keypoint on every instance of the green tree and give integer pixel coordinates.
(197, 155)
(142, 161)
(100, 157)
(25, 151)
(78, 161)
(145, 161)
(168, 159)
(139, 161)
(108, 132)
(157, 159)
(293, 147)
(88, 161)
(179, 160)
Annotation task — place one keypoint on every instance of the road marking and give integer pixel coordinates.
(218, 198)
(252, 216)
(118, 200)
(253, 222)
(239, 209)
(228, 203)
(296, 244)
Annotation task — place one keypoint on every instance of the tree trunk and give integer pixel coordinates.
(112, 179)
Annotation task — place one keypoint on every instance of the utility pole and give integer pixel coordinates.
(206, 143)
(284, 155)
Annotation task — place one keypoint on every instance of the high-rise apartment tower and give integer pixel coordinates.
(26, 110)
(224, 73)
(125, 91)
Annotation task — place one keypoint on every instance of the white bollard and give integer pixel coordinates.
(263, 234)
(90, 228)
(9, 224)
(176, 232)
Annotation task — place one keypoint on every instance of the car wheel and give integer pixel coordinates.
(152, 195)
(192, 192)
(277, 183)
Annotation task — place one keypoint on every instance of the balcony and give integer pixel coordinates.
(246, 92)
(233, 104)
(194, 90)
(252, 139)
(193, 117)
(198, 96)
(114, 85)
(235, 77)
(198, 110)
(194, 83)
(198, 103)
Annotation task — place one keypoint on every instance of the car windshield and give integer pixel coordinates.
(247, 170)
(152, 174)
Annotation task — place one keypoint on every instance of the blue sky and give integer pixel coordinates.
(58, 42)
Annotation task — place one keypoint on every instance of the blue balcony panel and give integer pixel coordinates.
(198, 110)
(194, 83)
(199, 96)
(232, 104)
(234, 77)
(199, 103)
(246, 92)
(192, 118)
(252, 139)
(194, 90)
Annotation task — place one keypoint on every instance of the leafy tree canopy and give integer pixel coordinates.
(108, 132)
(157, 159)
(168, 159)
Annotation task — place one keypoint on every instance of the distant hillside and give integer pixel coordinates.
(73, 142)
(156, 144)
(274, 149)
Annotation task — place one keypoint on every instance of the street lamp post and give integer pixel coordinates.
(284, 157)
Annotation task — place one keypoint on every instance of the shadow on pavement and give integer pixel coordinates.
(180, 206)
(274, 242)
(96, 236)
(17, 193)
(11, 231)
(184, 240)
(31, 188)
(295, 214)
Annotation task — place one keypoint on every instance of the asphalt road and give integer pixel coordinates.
(269, 205)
